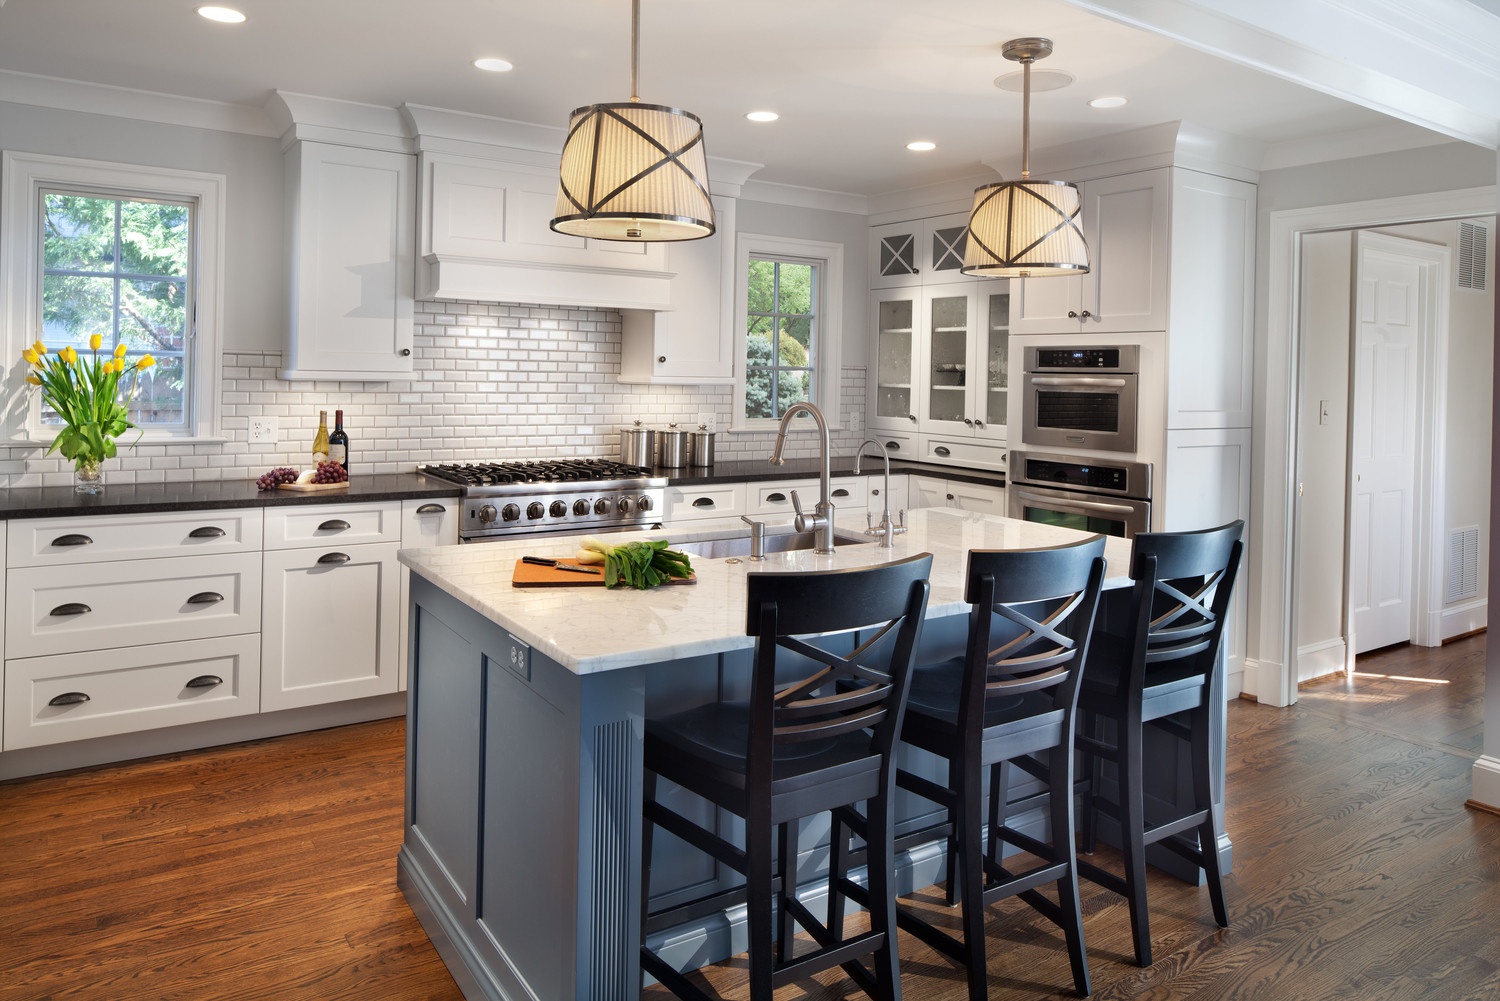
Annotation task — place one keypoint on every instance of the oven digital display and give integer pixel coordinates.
(1076, 358)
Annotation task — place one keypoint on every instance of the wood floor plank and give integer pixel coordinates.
(267, 870)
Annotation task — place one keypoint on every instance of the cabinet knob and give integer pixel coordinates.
(207, 532)
(1072, 314)
(406, 352)
(969, 422)
(431, 509)
(334, 558)
(205, 681)
(979, 424)
(948, 496)
(1085, 314)
(912, 418)
(661, 359)
(68, 699)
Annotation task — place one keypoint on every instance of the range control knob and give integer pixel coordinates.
(601, 506)
(535, 510)
(487, 514)
(559, 508)
(509, 512)
(644, 503)
(624, 505)
(580, 508)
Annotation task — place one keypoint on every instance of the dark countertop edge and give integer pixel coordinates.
(61, 502)
(758, 470)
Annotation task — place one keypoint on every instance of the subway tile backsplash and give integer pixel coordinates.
(507, 381)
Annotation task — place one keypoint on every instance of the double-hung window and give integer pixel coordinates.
(789, 297)
(126, 254)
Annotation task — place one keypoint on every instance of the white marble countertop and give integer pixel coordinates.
(589, 629)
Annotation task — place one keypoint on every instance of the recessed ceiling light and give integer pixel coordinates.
(493, 65)
(921, 146)
(763, 116)
(1107, 102)
(224, 15)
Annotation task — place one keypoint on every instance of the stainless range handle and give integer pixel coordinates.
(1077, 380)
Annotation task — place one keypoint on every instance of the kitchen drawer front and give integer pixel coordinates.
(962, 452)
(56, 541)
(333, 525)
(55, 610)
(722, 500)
(775, 498)
(128, 690)
(430, 522)
(898, 445)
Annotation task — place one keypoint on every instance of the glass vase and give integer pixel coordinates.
(88, 476)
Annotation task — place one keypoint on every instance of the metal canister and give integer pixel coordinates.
(701, 447)
(638, 445)
(672, 447)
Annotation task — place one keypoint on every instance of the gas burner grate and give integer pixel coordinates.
(536, 471)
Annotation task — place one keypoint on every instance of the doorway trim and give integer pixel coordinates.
(1273, 586)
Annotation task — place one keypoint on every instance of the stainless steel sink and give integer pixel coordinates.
(739, 545)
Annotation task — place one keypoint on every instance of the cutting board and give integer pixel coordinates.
(531, 575)
(308, 487)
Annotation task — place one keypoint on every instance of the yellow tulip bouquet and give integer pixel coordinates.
(86, 395)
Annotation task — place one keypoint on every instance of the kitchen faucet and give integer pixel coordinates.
(821, 520)
(886, 530)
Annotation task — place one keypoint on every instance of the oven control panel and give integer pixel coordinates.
(1124, 358)
(1123, 478)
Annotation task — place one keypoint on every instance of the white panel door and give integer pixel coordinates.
(1384, 442)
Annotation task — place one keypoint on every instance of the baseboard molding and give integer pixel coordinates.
(1462, 619)
(1318, 660)
(1485, 776)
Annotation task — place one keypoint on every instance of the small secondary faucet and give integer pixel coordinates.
(821, 520)
(886, 530)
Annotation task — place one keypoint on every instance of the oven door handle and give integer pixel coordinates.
(1082, 381)
(1075, 506)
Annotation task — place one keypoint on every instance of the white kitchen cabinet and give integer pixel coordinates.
(929, 491)
(424, 523)
(1125, 224)
(700, 503)
(895, 357)
(964, 452)
(963, 365)
(693, 343)
(352, 296)
(331, 621)
(920, 252)
(771, 500)
(876, 498)
(67, 541)
(897, 445)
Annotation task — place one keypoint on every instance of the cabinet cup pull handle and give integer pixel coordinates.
(334, 558)
(841, 492)
(894, 446)
(71, 608)
(431, 509)
(776, 498)
(704, 502)
(72, 540)
(205, 681)
(68, 699)
(206, 598)
(942, 450)
(207, 532)
(334, 525)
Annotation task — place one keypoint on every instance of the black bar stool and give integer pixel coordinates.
(795, 749)
(1012, 694)
(1166, 672)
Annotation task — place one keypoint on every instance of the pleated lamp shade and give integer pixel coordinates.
(1025, 229)
(634, 172)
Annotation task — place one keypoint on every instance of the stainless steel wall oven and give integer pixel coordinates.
(1077, 397)
(1108, 496)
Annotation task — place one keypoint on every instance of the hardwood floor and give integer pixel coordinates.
(267, 870)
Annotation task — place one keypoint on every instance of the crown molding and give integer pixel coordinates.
(137, 105)
(955, 194)
(805, 198)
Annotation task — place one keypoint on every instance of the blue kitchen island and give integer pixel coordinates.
(524, 730)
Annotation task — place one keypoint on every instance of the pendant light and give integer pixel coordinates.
(1025, 228)
(634, 172)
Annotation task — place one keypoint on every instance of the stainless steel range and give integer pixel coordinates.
(506, 499)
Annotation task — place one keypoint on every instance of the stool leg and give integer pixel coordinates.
(967, 821)
(1095, 766)
(786, 866)
(1133, 831)
(838, 871)
(1203, 796)
(955, 891)
(1060, 797)
(999, 799)
(759, 874)
(880, 840)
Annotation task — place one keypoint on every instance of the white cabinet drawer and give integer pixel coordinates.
(959, 452)
(333, 525)
(720, 500)
(109, 605)
(137, 688)
(774, 498)
(432, 522)
(49, 541)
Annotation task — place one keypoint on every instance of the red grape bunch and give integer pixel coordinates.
(281, 474)
(330, 472)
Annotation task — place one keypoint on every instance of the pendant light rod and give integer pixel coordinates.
(1026, 51)
(635, 49)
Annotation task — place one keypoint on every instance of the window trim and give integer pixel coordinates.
(829, 337)
(25, 176)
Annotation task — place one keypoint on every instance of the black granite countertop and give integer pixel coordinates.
(758, 470)
(59, 502)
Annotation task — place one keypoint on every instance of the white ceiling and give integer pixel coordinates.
(854, 80)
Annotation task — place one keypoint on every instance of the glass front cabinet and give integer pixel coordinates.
(893, 399)
(963, 346)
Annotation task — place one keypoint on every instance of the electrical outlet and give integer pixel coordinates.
(706, 420)
(263, 430)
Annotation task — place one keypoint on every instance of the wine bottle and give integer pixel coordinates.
(338, 442)
(320, 442)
